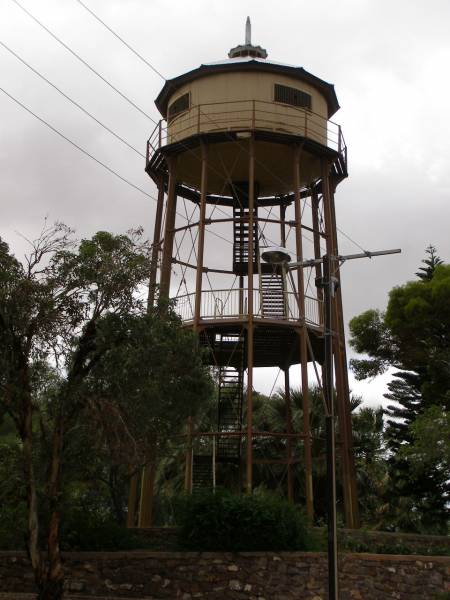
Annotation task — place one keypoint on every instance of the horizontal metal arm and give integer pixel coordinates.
(340, 258)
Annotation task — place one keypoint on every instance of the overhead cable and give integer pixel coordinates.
(70, 99)
(145, 61)
(121, 39)
(98, 161)
(105, 166)
(86, 64)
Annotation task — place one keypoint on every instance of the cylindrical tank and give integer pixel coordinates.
(250, 94)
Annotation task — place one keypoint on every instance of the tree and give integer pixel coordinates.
(370, 463)
(430, 446)
(413, 335)
(431, 262)
(74, 341)
(156, 359)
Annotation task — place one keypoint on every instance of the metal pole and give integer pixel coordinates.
(327, 284)
(156, 244)
(316, 236)
(166, 266)
(188, 469)
(343, 399)
(303, 343)
(342, 387)
(287, 399)
(342, 258)
(283, 225)
(251, 204)
(201, 237)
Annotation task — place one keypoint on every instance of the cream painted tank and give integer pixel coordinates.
(227, 101)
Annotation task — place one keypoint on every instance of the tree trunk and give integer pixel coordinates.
(51, 590)
(55, 575)
(30, 482)
(116, 495)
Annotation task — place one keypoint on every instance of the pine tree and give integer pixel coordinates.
(416, 498)
(431, 262)
(413, 336)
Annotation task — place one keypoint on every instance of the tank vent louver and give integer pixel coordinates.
(292, 96)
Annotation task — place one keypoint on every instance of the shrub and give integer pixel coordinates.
(223, 521)
(82, 530)
(374, 546)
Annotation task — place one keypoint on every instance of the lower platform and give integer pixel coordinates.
(274, 344)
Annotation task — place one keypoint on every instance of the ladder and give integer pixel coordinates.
(202, 472)
(229, 412)
(240, 239)
(231, 384)
(273, 297)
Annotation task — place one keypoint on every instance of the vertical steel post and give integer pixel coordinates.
(241, 296)
(329, 431)
(283, 267)
(343, 392)
(166, 265)
(316, 238)
(343, 396)
(289, 429)
(188, 458)
(283, 225)
(201, 237)
(251, 205)
(303, 342)
(156, 244)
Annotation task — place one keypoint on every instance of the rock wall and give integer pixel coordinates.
(243, 576)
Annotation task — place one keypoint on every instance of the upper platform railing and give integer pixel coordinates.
(247, 115)
(222, 305)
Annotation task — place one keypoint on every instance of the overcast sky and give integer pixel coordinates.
(389, 62)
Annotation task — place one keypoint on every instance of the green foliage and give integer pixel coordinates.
(418, 316)
(401, 548)
(431, 261)
(89, 531)
(13, 524)
(430, 440)
(223, 521)
(370, 463)
(413, 335)
(369, 335)
(88, 379)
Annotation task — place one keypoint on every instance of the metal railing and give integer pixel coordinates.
(233, 304)
(247, 115)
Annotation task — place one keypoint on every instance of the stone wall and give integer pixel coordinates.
(246, 575)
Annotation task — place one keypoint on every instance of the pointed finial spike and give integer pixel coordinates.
(248, 32)
(247, 50)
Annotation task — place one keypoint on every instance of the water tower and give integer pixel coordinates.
(246, 157)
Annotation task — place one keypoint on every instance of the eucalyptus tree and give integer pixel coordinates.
(77, 348)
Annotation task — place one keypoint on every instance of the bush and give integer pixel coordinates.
(374, 546)
(223, 521)
(82, 531)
